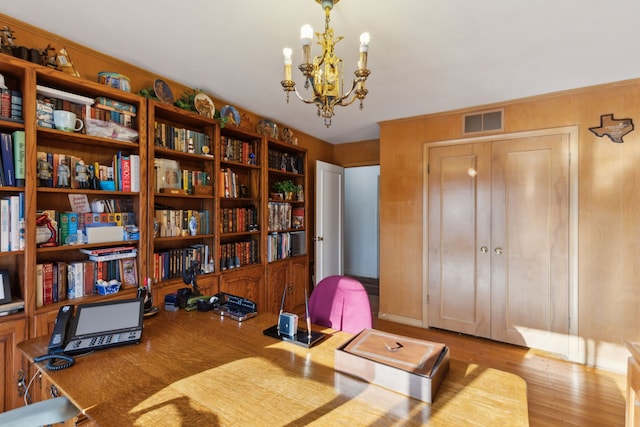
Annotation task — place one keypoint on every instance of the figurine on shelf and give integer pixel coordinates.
(7, 41)
(93, 179)
(49, 57)
(81, 175)
(45, 172)
(63, 175)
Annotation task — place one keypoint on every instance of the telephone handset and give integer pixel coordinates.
(56, 358)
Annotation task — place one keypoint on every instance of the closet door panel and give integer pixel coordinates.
(459, 226)
(530, 235)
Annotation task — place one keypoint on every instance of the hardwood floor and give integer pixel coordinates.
(559, 393)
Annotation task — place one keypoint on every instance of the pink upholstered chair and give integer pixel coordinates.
(341, 303)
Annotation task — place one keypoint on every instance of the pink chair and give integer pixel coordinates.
(341, 303)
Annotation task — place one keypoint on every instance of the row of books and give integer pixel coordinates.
(285, 245)
(237, 220)
(59, 281)
(104, 109)
(285, 162)
(236, 150)
(280, 214)
(180, 139)
(238, 254)
(171, 263)
(10, 104)
(230, 185)
(12, 225)
(57, 226)
(12, 158)
(284, 216)
(69, 171)
(178, 222)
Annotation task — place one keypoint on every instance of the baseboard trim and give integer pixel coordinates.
(400, 319)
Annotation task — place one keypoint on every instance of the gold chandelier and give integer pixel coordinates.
(324, 74)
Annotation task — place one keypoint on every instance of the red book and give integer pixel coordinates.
(126, 173)
(47, 282)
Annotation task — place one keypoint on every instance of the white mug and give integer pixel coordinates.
(67, 121)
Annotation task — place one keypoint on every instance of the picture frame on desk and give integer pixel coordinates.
(5, 287)
(129, 272)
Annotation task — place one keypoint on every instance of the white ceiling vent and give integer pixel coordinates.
(483, 122)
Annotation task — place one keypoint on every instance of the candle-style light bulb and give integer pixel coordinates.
(306, 34)
(287, 62)
(364, 48)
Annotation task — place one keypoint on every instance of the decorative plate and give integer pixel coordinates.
(204, 105)
(232, 115)
(268, 128)
(163, 91)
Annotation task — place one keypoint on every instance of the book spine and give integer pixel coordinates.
(126, 173)
(89, 277)
(22, 224)
(75, 281)
(47, 281)
(111, 257)
(14, 227)
(135, 172)
(19, 152)
(39, 286)
(7, 160)
(62, 281)
(5, 224)
(5, 103)
(63, 228)
(104, 251)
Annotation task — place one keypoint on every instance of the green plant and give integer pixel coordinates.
(186, 100)
(285, 187)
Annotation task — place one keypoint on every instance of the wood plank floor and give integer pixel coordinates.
(559, 393)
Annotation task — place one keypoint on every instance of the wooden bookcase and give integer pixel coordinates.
(233, 186)
(180, 142)
(286, 220)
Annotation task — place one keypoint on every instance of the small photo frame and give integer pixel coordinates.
(5, 287)
(128, 272)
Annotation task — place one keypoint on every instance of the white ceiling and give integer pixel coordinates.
(425, 56)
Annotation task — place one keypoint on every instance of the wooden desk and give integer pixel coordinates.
(632, 418)
(195, 368)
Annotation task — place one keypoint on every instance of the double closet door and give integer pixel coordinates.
(498, 237)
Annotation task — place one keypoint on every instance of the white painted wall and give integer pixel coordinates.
(361, 221)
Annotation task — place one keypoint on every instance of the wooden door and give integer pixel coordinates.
(459, 237)
(329, 247)
(498, 225)
(530, 239)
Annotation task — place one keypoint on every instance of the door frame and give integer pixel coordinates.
(328, 235)
(576, 346)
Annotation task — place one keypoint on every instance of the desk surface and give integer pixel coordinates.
(195, 368)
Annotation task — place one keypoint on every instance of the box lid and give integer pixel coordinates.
(409, 354)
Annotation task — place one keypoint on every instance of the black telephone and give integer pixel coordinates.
(56, 358)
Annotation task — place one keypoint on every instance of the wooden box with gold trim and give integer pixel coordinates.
(405, 365)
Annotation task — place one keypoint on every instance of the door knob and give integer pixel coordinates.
(484, 249)
(498, 250)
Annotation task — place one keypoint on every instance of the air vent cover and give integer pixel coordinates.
(483, 122)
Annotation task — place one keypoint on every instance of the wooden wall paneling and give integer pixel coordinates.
(362, 153)
(401, 192)
(608, 207)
